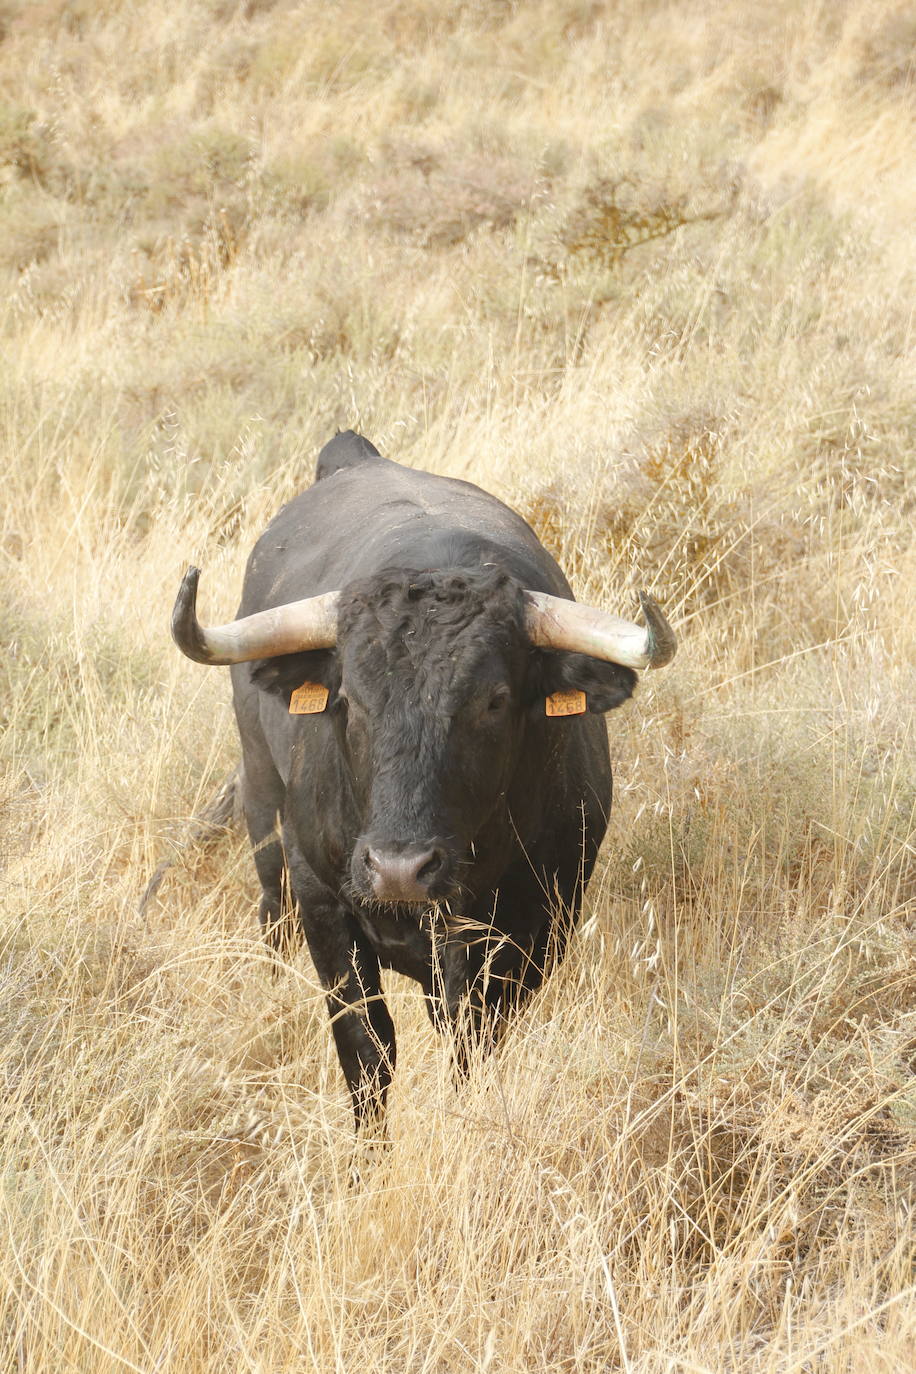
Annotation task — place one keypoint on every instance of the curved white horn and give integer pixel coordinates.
(308, 624)
(553, 623)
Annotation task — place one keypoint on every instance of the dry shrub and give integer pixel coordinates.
(438, 197)
(664, 517)
(192, 270)
(616, 216)
(22, 143)
(887, 55)
(33, 230)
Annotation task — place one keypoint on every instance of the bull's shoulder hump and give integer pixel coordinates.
(375, 493)
(377, 513)
(346, 450)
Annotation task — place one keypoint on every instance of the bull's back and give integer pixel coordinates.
(365, 513)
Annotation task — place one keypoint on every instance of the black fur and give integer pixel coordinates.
(434, 739)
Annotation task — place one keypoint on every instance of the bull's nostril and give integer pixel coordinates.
(402, 875)
(430, 866)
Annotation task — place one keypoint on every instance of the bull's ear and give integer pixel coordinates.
(282, 675)
(606, 685)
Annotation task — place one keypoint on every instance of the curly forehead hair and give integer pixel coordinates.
(406, 612)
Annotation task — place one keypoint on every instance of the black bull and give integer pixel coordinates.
(433, 819)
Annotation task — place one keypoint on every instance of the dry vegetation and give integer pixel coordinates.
(647, 271)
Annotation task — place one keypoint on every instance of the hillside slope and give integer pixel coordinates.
(647, 272)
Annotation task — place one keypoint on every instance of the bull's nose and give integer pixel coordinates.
(405, 875)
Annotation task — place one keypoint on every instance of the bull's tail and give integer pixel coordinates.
(222, 813)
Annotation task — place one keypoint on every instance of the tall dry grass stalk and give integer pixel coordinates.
(647, 272)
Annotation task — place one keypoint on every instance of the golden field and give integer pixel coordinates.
(647, 272)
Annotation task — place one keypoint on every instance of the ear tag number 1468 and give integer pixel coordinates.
(570, 703)
(308, 700)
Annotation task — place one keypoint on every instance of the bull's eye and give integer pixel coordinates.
(498, 701)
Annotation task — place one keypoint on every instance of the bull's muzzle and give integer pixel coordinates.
(409, 873)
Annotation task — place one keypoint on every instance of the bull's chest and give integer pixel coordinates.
(401, 941)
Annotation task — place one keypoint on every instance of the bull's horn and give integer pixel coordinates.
(308, 624)
(553, 623)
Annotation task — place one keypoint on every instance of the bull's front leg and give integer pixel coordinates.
(477, 985)
(349, 972)
(485, 970)
(360, 1021)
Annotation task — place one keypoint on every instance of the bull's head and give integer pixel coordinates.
(431, 682)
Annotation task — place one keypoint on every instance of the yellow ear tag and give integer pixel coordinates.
(308, 699)
(565, 703)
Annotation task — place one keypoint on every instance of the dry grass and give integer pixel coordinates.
(647, 272)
